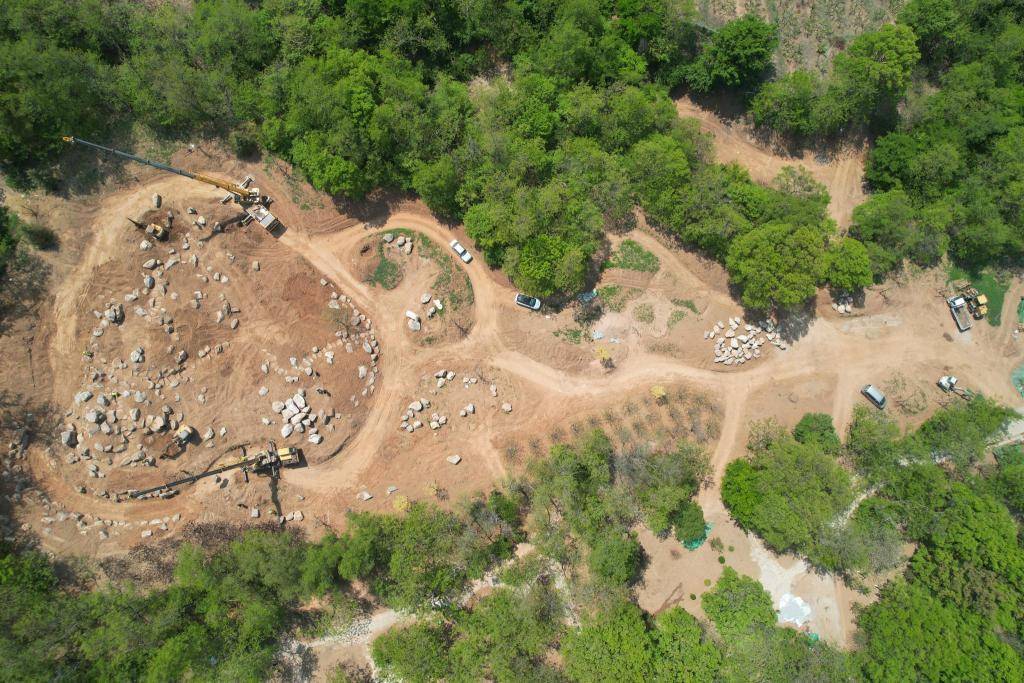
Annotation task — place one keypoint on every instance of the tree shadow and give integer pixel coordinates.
(23, 287)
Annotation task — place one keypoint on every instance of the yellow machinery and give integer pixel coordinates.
(249, 198)
(153, 230)
(977, 303)
(268, 462)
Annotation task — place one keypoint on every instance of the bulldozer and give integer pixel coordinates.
(977, 303)
(154, 230)
(249, 198)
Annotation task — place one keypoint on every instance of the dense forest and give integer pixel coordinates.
(542, 124)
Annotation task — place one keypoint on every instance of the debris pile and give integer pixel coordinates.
(737, 342)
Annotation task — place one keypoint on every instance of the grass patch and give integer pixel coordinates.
(573, 335)
(615, 297)
(675, 317)
(643, 313)
(453, 288)
(387, 274)
(686, 303)
(631, 256)
(987, 283)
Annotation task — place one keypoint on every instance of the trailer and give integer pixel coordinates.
(961, 315)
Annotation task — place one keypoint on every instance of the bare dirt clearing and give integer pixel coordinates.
(528, 387)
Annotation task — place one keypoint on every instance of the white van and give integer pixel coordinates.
(872, 394)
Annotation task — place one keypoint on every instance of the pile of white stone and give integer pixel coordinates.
(843, 305)
(737, 342)
(297, 417)
(434, 306)
(410, 421)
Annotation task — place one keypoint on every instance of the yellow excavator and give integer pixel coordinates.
(249, 198)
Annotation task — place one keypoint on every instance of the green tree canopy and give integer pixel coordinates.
(737, 52)
(777, 265)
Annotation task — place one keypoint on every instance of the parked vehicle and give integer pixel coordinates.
(872, 394)
(531, 302)
(461, 251)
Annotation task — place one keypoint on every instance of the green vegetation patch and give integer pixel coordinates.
(615, 297)
(643, 313)
(573, 335)
(631, 256)
(388, 273)
(988, 283)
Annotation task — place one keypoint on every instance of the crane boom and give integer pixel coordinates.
(239, 193)
(253, 203)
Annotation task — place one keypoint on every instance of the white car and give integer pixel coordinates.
(531, 302)
(461, 251)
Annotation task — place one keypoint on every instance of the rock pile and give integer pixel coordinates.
(737, 342)
(402, 244)
(843, 305)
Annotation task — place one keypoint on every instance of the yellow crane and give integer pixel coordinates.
(249, 198)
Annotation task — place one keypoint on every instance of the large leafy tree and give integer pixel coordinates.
(788, 493)
(777, 265)
(734, 54)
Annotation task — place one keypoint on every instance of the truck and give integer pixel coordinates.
(961, 314)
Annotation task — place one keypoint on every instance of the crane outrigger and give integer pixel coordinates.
(249, 198)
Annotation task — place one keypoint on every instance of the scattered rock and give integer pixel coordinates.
(454, 459)
(506, 407)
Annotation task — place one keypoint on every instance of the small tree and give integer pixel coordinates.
(659, 394)
(604, 356)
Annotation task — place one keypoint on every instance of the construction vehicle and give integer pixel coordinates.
(961, 315)
(184, 435)
(948, 383)
(249, 198)
(268, 462)
(977, 303)
(153, 230)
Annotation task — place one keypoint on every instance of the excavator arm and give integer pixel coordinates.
(240, 193)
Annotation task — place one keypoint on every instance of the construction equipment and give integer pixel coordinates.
(184, 435)
(268, 462)
(948, 383)
(153, 230)
(977, 303)
(249, 198)
(958, 307)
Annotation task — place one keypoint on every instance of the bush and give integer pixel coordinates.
(817, 428)
(616, 557)
(689, 522)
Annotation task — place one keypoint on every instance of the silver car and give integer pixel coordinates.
(526, 301)
(461, 251)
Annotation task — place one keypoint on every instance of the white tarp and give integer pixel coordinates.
(793, 610)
